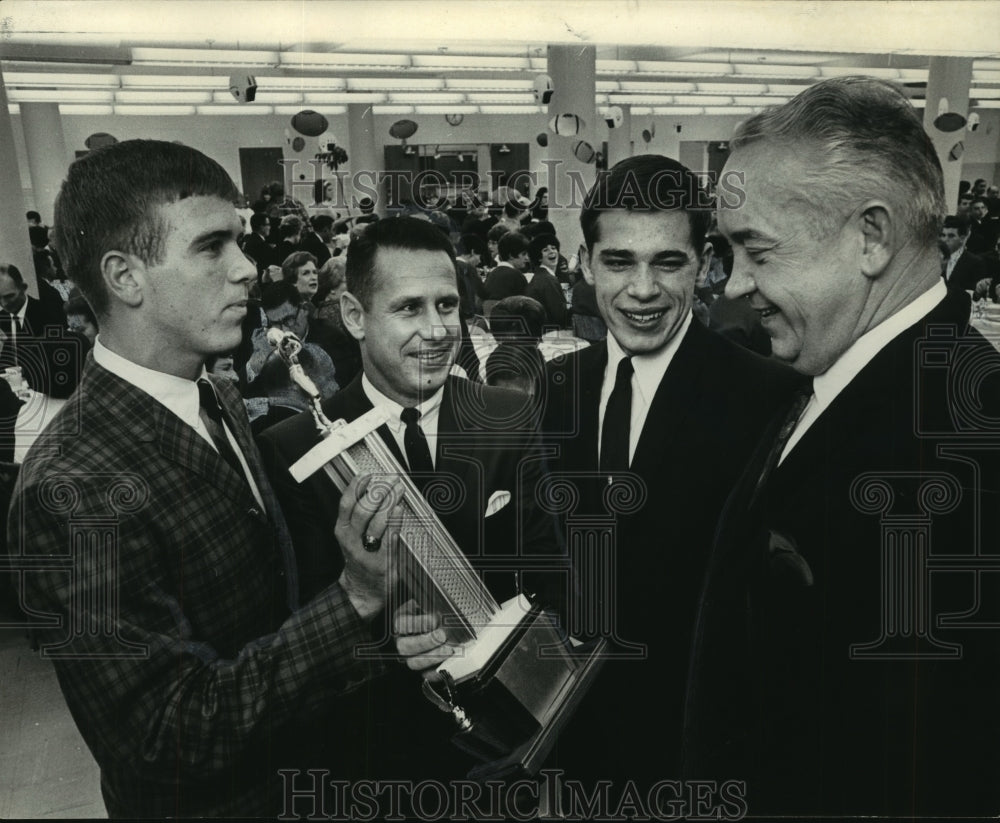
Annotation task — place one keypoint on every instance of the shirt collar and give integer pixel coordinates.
(393, 410)
(179, 395)
(828, 385)
(23, 311)
(648, 368)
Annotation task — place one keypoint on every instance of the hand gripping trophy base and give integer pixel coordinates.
(515, 679)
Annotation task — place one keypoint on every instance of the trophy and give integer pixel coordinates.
(515, 678)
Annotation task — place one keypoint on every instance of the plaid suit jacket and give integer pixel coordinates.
(166, 596)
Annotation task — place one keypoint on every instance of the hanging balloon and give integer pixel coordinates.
(402, 129)
(454, 119)
(543, 89)
(566, 125)
(614, 117)
(647, 135)
(298, 143)
(99, 140)
(584, 152)
(957, 151)
(310, 123)
(542, 139)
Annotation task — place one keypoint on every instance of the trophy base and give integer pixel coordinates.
(515, 703)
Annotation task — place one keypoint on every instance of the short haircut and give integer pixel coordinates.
(111, 199)
(647, 183)
(321, 222)
(79, 305)
(515, 362)
(516, 319)
(511, 245)
(539, 242)
(396, 233)
(871, 142)
(281, 291)
(38, 236)
(957, 221)
(472, 244)
(14, 273)
(289, 226)
(331, 274)
(258, 220)
(296, 260)
(965, 195)
(33, 215)
(979, 199)
(496, 232)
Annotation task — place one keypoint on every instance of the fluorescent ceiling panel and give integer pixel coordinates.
(653, 87)
(394, 84)
(757, 101)
(847, 71)
(486, 84)
(527, 99)
(764, 70)
(139, 96)
(673, 67)
(615, 66)
(727, 110)
(985, 76)
(447, 109)
(100, 111)
(319, 98)
(173, 81)
(457, 62)
(154, 110)
(302, 83)
(680, 111)
(425, 98)
(222, 57)
(236, 110)
(327, 110)
(393, 109)
(281, 98)
(60, 96)
(732, 88)
(988, 104)
(323, 60)
(60, 80)
(511, 109)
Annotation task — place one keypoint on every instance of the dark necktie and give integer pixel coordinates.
(799, 403)
(617, 422)
(11, 328)
(211, 416)
(418, 454)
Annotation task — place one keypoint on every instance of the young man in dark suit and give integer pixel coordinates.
(161, 558)
(831, 670)
(654, 427)
(472, 449)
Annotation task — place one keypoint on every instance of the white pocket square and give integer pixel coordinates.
(498, 500)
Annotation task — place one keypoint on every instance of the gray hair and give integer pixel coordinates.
(873, 144)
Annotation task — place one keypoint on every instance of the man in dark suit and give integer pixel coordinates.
(257, 246)
(646, 427)
(316, 240)
(831, 670)
(161, 560)
(543, 250)
(36, 338)
(473, 449)
(963, 269)
(507, 279)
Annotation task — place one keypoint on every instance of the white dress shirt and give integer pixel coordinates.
(835, 379)
(180, 396)
(648, 371)
(430, 412)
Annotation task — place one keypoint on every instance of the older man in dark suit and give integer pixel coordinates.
(472, 449)
(160, 556)
(831, 670)
(647, 426)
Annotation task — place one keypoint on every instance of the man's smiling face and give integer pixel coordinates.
(643, 267)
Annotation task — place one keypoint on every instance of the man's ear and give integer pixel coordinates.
(584, 256)
(124, 276)
(876, 222)
(353, 314)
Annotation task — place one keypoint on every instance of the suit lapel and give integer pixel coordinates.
(350, 403)
(666, 428)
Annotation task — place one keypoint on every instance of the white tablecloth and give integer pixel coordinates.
(34, 416)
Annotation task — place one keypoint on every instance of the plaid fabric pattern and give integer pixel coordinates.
(188, 675)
